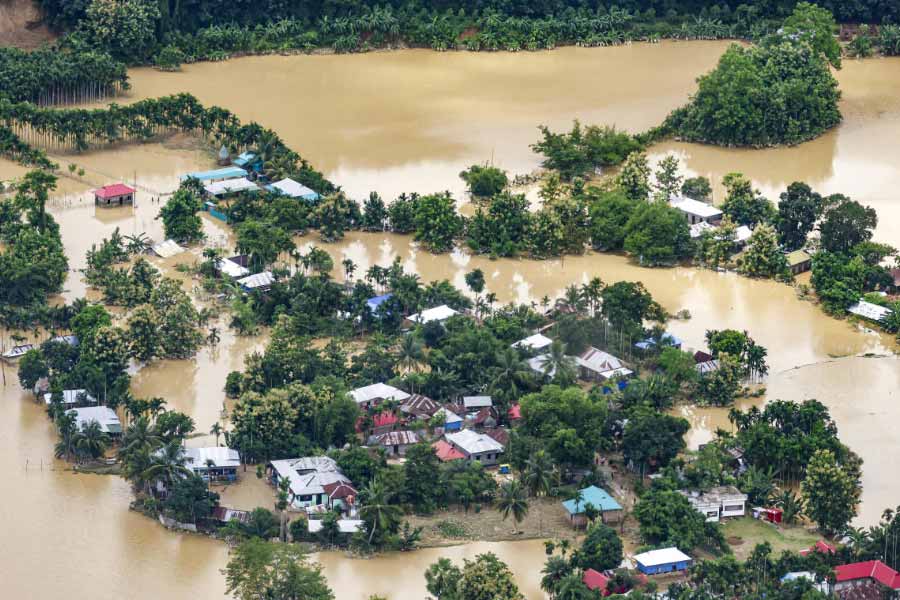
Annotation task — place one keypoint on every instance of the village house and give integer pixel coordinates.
(821, 547)
(223, 514)
(665, 560)
(213, 463)
(438, 313)
(257, 282)
(249, 161)
(610, 511)
(373, 304)
(166, 249)
(395, 443)
(234, 267)
(216, 174)
(476, 403)
(533, 343)
(376, 393)
(345, 526)
(446, 452)
(452, 421)
(597, 365)
(696, 211)
(719, 502)
(382, 422)
(870, 311)
(292, 189)
(821, 586)
(867, 580)
(476, 446)
(798, 261)
(316, 483)
(72, 398)
(596, 581)
(418, 406)
(229, 187)
(116, 194)
(103, 415)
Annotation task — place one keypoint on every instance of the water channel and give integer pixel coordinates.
(410, 121)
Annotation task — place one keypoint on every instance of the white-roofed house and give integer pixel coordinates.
(533, 343)
(316, 483)
(345, 526)
(477, 402)
(72, 397)
(231, 268)
(665, 560)
(696, 211)
(476, 446)
(258, 281)
(538, 364)
(597, 365)
(103, 415)
(166, 249)
(293, 189)
(376, 393)
(438, 313)
(870, 311)
(213, 463)
(230, 186)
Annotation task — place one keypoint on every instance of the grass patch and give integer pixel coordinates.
(744, 534)
(451, 529)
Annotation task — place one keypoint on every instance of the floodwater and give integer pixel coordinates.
(410, 121)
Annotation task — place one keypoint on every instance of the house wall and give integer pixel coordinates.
(663, 568)
(485, 458)
(733, 508)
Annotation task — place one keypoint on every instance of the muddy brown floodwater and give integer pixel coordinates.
(410, 121)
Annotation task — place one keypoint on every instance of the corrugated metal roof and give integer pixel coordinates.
(398, 438)
(378, 391)
(167, 249)
(111, 191)
(534, 342)
(294, 189)
(257, 280)
(230, 186)
(438, 313)
(221, 456)
(695, 207)
(598, 497)
(870, 311)
(473, 443)
(224, 173)
(661, 557)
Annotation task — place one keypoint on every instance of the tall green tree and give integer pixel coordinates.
(258, 569)
(830, 492)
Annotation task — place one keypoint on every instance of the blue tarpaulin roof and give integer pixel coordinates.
(224, 173)
(595, 496)
(244, 159)
(374, 303)
(650, 342)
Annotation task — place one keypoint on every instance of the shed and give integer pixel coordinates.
(696, 211)
(247, 160)
(396, 442)
(870, 311)
(798, 261)
(346, 526)
(230, 186)
(104, 415)
(116, 194)
(230, 268)
(609, 509)
(259, 281)
(216, 174)
(595, 580)
(665, 560)
(166, 249)
(533, 342)
(72, 397)
(17, 352)
(476, 402)
(372, 304)
(225, 514)
(452, 421)
(293, 189)
(438, 313)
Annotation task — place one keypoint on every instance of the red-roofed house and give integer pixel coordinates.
(595, 580)
(115, 194)
(864, 580)
(820, 546)
(446, 452)
(381, 423)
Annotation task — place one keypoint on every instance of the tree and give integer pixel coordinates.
(667, 517)
(190, 501)
(263, 242)
(125, 28)
(668, 181)
(475, 280)
(763, 257)
(375, 215)
(634, 176)
(815, 26)
(502, 227)
(179, 214)
(719, 387)
(656, 234)
(846, 223)
(484, 181)
(258, 569)
(652, 438)
(143, 334)
(627, 304)
(487, 578)
(743, 204)
(442, 580)
(32, 367)
(608, 216)
(512, 501)
(334, 215)
(830, 492)
(539, 474)
(697, 188)
(798, 209)
(578, 152)
(91, 441)
(380, 515)
(600, 550)
(559, 366)
(436, 221)
(423, 489)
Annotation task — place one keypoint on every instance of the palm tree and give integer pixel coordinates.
(512, 501)
(539, 474)
(509, 377)
(91, 442)
(167, 465)
(213, 338)
(67, 426)
(140, 437)
(377, 510)
(790, 504)
(138, 243)
(555, 570)
(591, 293)
(558, 365)
(410, 354)
(216, 430)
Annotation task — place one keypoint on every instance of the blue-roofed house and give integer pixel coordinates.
(606, 505)
(216, 174)
(373, 303)
(248, 160)
(664, 560)
(293, 189)
(667, 339)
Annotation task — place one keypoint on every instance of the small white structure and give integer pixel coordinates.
(72, 397)
(228, 267)
(719, 502)
(476, 446)
(348, 526)
(438, 313)
(706, 367)
(213, 462)
(821, 586)
(533, 342)
(665, 560)
(696, 211)
(596, 364)
(697, 229)
(293, 189)
(742, 234)
(377, 393)
(257, 281)
(230, 186)
(167, 249)
(103, 415)
(477, 402)
(867, 310)
(538, 364)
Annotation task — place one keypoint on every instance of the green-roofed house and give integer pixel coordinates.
(606, 505)
(799, 261)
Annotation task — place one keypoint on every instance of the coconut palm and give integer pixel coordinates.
(555, 570)
(67, 427)
(140, 437)
(558, 365)
(91, 441)
(216, 430)
(510, 377)
(790, 504)
(410, 354)
(590, 293)
(167, 465)
(512, 501)
(539, 474)
(377, 510)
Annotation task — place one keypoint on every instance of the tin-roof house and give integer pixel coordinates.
(476, 446)
(696, 211)
(316, 483)
(376, 393)
(597, 365)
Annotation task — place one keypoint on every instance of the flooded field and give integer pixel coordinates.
(410, 121)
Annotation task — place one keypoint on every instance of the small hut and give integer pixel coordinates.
(116, 194)
(224, 156)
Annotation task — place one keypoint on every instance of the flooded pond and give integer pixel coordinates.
(410, 121)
